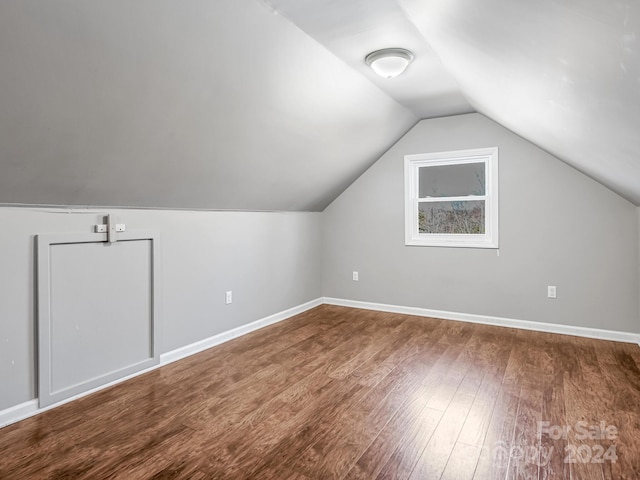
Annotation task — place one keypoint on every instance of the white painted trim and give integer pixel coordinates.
(497, 321)
(44, 242)
(30, 408)
(412, 165)
(201, 345)
(18, 412)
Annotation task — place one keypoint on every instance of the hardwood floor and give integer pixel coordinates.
(340, 393)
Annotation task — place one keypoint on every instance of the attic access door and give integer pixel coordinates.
(97, 311)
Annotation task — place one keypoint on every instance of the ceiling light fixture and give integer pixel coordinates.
(389, 62)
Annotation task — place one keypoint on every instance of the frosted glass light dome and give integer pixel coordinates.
(389, 62)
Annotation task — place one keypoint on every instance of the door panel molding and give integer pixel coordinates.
(49, 394)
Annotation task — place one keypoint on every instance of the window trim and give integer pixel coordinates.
(412, 164)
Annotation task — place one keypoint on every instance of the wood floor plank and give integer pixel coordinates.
(339, 393)
(620, 377)
(220, 414)
(401, 463)
(552, 441)
(333, 454)
(477, 423)
(435, 456)
(427, 422)
(339, 356)
(277, 420)
(498, 441)
(376, 455)
(412, 335)
(584, 403)
(524, 461)
(462, 462)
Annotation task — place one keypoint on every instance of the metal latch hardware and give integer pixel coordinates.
(111, 228)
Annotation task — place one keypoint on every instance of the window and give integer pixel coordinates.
(451, 198)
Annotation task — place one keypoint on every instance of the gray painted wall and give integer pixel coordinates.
(271, 262)
(557, 227)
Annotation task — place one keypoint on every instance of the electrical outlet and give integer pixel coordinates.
(355, 276)
(229, 297)
(551, 291)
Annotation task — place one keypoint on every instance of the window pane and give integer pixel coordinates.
(451, 217)
(452, 180)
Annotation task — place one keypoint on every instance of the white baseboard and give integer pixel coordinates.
(18, 412)
(497, 321)
(30, 408)
(201, 345)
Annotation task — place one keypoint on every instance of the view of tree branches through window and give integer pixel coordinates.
(453, 215)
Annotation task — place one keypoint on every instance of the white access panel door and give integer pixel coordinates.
(98, 311)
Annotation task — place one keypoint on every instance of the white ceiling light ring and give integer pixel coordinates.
(389, 62)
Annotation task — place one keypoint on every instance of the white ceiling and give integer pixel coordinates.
(350, 30)
(268, 105)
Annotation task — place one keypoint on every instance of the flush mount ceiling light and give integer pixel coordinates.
(389, 62)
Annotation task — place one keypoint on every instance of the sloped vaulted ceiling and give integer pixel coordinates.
(268, 105)
(565, 74)
(196, 104)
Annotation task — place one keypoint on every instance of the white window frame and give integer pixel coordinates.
(412, 164)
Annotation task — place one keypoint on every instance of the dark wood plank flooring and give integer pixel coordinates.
(340, 393)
